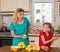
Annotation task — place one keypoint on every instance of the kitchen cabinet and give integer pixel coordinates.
(56, 43)
(8, 5)
(58, 0)
(6, 41)
(11, 5)
(0, 4)
(34, 39)
(25, 4)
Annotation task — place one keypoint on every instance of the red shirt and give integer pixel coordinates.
(50, 35)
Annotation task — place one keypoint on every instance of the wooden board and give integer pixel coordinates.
(7, 49)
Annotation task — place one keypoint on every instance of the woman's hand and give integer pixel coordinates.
(33, 31)
(36, 31)
(24, 37)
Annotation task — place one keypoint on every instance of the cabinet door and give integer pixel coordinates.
(25, 4)
(8, 5)
(56, 43)
(7, 42)
(0, 4)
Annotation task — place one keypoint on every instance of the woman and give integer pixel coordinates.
(20, 26)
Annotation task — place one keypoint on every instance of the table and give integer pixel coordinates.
(7, 49)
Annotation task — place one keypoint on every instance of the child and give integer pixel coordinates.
(46, 36)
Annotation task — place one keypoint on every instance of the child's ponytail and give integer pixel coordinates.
(52, 30)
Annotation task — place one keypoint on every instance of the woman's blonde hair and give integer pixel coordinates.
(50, 26)
(15, 15)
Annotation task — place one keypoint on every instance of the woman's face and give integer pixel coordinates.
(20, 15)
(46, 28)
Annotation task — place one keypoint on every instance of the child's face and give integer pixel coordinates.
(46, 28)
(20, 15)
(4, 28)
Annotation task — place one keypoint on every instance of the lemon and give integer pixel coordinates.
(34, 48)
(38, 48)
(28, 48)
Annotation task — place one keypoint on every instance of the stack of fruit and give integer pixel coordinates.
(21, 45)
(28, 48)
(36, 48)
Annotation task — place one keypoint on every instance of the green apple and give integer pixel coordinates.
(25, 35)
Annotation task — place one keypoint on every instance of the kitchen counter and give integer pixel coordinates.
(7, 49)
(7, 39)
(8, 35)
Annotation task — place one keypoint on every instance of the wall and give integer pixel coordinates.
(57, 17)
(1, 21)
(56, 43)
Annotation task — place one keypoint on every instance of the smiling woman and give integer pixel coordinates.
(20, 26)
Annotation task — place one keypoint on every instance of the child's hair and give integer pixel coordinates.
(3, 27)
(50, 26)
(15, 15)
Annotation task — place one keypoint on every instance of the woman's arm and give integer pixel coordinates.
(14, 35)
(32, 30)
(46, 42)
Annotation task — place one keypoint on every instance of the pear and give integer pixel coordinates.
(22, 45)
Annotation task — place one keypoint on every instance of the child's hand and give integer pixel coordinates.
(54, 38)
(45, 48)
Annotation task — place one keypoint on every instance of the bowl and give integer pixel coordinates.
(14, 48)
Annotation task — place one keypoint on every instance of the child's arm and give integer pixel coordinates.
(46, 42)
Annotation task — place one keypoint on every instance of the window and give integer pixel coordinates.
(58, 7)
(43, 12)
